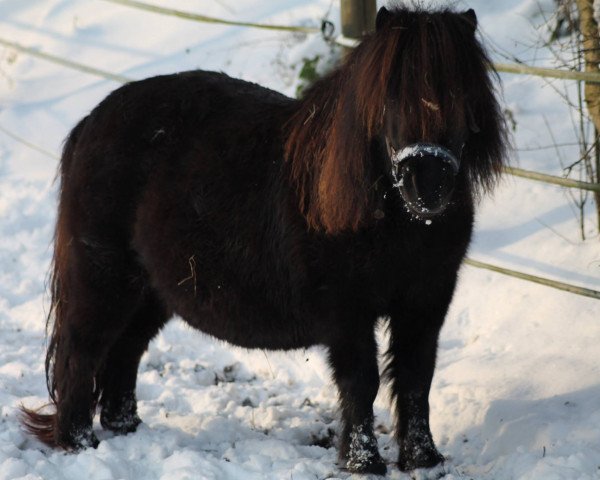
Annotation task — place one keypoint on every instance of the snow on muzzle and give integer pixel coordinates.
(425, 174)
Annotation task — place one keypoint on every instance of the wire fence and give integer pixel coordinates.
(326, 29)
(545, 178)
(65, 62)
(204, 19)
(586, 292)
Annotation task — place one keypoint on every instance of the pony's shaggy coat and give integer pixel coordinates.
(271, 223)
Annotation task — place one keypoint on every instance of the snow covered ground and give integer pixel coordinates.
(516, 394)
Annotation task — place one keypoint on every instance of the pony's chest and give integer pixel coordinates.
(384, 263)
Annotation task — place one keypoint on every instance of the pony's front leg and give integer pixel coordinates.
(353, 357)
(414, 329)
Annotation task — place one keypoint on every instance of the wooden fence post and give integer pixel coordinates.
(358, 17)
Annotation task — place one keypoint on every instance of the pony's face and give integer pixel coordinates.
(433, 94)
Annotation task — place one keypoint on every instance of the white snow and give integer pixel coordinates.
(516, 393)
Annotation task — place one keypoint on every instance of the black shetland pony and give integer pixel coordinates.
(276, 223)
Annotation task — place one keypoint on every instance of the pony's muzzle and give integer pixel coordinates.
(426, 176)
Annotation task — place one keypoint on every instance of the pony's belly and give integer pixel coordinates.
(246, 325)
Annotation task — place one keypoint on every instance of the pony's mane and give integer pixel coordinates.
(422, 76)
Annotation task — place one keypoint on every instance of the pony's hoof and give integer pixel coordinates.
(361, 453)
(120, 424)
(374, 466)
(419, 458)
(78, 441)
(120, 417)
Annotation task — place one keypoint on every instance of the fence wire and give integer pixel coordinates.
(586, 292)
(542, 177)
(205, 19)
(64, 62)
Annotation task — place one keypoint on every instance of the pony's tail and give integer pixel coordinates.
(44, 425)
(40, 425)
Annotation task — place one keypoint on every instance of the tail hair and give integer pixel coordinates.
(40, 425)
(43, 425)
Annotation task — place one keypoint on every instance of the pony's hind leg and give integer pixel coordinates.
(93, 299)
(117, 379)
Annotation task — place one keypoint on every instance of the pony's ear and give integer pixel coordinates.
(383, 18)
(471, 18)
